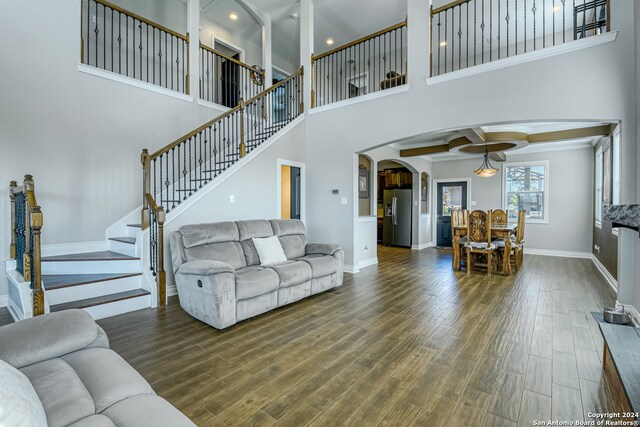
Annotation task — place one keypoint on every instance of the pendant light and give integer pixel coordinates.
(486, 170)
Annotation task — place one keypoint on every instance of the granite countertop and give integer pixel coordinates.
(625, 215)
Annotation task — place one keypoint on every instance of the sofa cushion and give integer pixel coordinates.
(291, 233)
(269, 250)
(64, 398)
(19, 403)
(94, 421)
(256, 228)
(293, 246)
(227, 252)
(201, 234)
(287, 227)
(292, 273)
(321, 265)
(254, 281)
(205, 267)
(146, 411)
(107, 377)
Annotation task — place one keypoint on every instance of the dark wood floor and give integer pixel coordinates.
(407, 342)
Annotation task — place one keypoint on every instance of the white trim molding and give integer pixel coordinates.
(635, 316)
(351, 269)
(88, 69)
(4, 300)
(359, 99)
(367, 262)
(605, 273)
(556, 253)
(419, 247)
(525, 57)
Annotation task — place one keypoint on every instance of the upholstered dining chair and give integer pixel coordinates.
(459, 218)
(479, 239)
(498, 216)
(517, 242)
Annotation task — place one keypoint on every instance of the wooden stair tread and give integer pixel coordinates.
(90, 256)
(129, 240)
(59, 281)
(105, 299)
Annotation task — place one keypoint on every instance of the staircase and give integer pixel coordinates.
(119, 278)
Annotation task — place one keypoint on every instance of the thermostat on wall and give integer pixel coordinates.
(335, 191)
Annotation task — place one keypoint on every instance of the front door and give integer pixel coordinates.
(451, 196)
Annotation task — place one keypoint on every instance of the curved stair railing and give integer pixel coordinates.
(176, 172)
(25, 248)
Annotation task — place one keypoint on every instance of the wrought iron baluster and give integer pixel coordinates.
(491, 30)
(544, 25)
(499, 32)
(97, 32)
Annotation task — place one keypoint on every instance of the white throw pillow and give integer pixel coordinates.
(19, 403)
(269, 250)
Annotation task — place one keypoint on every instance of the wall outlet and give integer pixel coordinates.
(596, 248)
(343, 201)
(474, 203)
(366, 249)
(232, 198)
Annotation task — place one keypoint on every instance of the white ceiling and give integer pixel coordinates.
(341, 20)
(438, 138)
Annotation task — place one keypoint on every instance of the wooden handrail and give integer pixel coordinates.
(360, 40)
(228, 58)
(448, 6)
(134, 15)
(226, 114)
(32, 235)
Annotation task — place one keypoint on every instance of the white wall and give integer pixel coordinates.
(551, 88)
(78, 134)
(254, 187)
(570, 210)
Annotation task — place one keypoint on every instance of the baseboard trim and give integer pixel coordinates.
(172, 290)
(605, 273)
(73, 248)
(555, 253)
(422, 246)
(367, 262)
(635, 316)
(4, 301)
(351, 269)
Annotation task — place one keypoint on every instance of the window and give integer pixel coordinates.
(598, 189)
(525, 186)
(424, 193)
(451, 199)
(615, 169)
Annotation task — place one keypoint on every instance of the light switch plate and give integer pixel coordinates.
(474, 203)
(343, 200)
(232, 198)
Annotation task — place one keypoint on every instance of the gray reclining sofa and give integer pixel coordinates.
(219, 277)
(78, 380)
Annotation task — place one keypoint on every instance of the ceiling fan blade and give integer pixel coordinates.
(498, 156)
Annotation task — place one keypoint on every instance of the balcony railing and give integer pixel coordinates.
(226, 80)
(369, 64)
(466, 33)
(120, 41)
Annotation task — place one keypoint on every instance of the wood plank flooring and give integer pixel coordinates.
(406, 342)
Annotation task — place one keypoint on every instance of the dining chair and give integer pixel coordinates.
(498, 216)
(517, 242)
(479, 239)
(459, 219)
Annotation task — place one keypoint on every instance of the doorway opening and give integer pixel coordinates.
(395, 204)
(229, 72)
(279, 97)
(450, 196)
(291, 190)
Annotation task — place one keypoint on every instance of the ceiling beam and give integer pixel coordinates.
(562, 135)
(475, 135)
(423, 151)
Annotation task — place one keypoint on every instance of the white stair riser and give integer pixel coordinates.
(119, 307)
(91, 290)
(122, 248)
(132, 231)
(91, 267)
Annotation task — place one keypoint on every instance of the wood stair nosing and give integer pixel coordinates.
(105, 299)
(60, 281)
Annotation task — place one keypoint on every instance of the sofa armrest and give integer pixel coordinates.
(205, 267)
(46, 337)
(321, 249)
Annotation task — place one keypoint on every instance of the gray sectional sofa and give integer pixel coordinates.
(77, 380)
(219, 277)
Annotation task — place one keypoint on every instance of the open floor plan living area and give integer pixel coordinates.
(320, 213)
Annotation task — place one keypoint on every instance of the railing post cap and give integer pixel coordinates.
(13, 184)
(28, 177)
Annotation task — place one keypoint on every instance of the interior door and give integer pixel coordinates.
(295, 192)
(450, 196)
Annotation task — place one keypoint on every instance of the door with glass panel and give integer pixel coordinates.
(451, 196)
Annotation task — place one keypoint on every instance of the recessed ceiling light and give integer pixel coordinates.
(444, 43)
(233, 17)
(329, 41)
(556, 9)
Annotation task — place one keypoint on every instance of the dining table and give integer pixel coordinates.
(498, 231)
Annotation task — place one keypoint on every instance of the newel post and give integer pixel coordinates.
(12, 198)
(29, 187)
(161, 274)
(243, 146)
(145, 159)
(36, 280)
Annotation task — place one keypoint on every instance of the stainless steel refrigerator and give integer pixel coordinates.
(396, 227)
